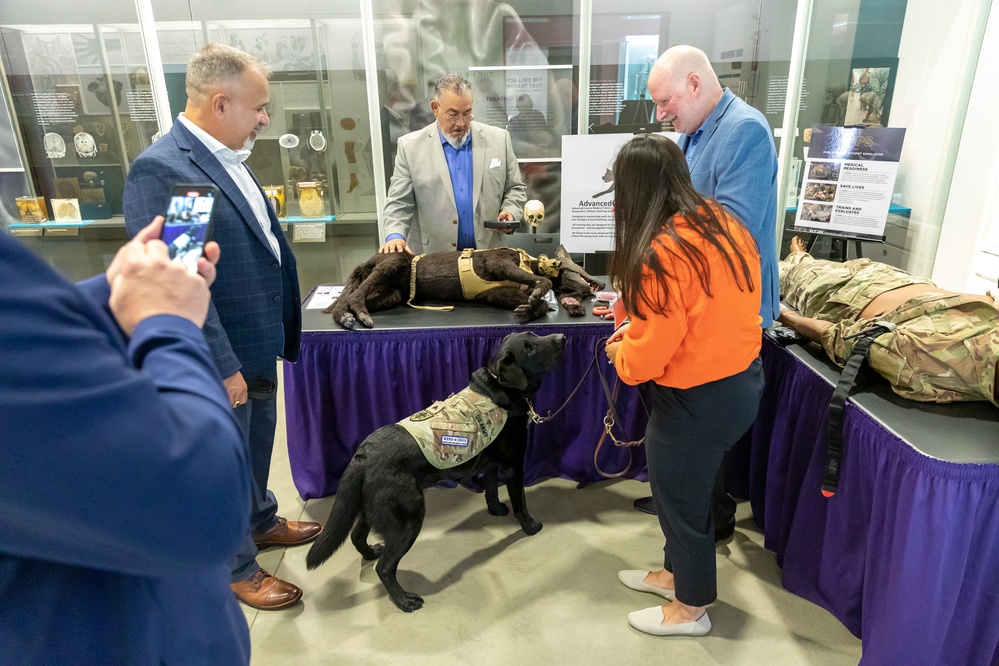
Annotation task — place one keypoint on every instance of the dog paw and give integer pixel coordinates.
(499, 509)
(347, 321)
(523, 312)
(573, 306)
(366, 319)
(529, 311)
(531, 526)
(409, 602)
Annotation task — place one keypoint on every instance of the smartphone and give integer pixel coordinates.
(188, 223)
(501, 224)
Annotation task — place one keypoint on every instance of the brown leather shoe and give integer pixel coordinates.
(266, 592)
(287, 533)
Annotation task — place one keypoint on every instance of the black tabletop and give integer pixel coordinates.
(961, 432)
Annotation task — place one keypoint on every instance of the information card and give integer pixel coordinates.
(587, 221)
(849, 179)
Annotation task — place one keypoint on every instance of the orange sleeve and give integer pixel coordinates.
(648, 345)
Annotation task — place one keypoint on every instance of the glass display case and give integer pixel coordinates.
(84, 110)
(351, 77)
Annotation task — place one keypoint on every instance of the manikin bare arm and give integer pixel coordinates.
(807, 326)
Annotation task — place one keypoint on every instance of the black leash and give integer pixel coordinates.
(837, 404)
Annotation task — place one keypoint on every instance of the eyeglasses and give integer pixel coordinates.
(453, 117)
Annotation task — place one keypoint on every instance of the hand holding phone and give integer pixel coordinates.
(188, 223)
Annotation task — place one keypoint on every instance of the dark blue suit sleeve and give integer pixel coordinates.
(147, 192)
(122, 456)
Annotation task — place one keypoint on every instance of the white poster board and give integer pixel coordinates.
(849, 178)
(587, 222)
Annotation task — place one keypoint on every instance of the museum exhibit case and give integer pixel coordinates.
(80, 100)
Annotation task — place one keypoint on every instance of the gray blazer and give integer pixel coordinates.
(421, 203)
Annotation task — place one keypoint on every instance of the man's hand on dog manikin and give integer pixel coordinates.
(395, 245)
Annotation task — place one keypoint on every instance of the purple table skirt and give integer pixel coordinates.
(347, 384)
(905, 554)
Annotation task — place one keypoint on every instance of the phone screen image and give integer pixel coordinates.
(187, 224)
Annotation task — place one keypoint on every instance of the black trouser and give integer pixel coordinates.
(688, 434)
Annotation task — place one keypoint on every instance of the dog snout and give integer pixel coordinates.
(556, 344)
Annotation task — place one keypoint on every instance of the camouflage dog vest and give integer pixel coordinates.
(453, 431)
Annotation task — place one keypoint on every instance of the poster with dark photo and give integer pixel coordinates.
(868, 98)
(97, 99)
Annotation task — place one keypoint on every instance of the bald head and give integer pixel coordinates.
(684, 87)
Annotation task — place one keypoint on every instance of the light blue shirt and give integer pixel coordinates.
(734, 162)
(692, 145)
(459, 167)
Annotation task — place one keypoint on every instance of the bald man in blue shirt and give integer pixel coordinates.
(731, 155)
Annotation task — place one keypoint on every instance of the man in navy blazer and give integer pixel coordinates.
(732, 159)
(255, 314)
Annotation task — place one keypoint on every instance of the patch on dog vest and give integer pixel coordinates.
(453, 431)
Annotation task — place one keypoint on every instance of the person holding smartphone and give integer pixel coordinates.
(455, 181)
(123, 472)
(255, 313)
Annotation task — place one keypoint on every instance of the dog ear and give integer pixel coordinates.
(507, 372)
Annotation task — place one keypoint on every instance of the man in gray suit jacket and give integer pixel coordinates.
(451, 176)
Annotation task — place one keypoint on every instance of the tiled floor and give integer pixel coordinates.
(495, 596)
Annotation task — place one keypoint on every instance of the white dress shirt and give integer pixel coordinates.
(232, 161)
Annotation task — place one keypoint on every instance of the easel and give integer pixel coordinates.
(840, 245)
(640, 113)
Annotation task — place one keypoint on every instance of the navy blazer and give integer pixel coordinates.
(124, 482)
(256, 312)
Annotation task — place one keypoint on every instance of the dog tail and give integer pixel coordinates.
(346, 507)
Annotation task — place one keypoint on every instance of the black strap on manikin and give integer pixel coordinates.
(834, 419)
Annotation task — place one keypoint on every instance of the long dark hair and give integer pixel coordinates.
(652, 184)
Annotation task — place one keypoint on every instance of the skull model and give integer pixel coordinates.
(534, 213)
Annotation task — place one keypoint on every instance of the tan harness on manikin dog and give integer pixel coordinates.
(472, 285)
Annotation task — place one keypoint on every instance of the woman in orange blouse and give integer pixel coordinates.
(689, 276)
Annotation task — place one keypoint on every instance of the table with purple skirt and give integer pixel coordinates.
(905, 554)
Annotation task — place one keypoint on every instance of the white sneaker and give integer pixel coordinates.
(635, 579)
(650, 621)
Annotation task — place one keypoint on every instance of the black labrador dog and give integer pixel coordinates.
(382, 487)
